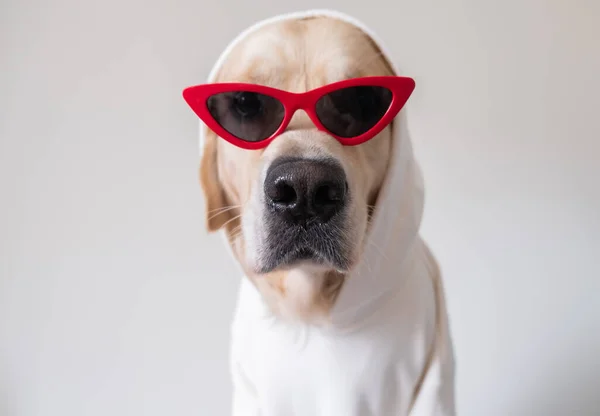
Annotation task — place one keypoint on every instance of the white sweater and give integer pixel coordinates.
(374, 369)
(388, 351)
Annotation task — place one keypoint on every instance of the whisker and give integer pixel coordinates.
(231, 219)
(236, 231)
(223, 208)
(235, 236)
(222, 211)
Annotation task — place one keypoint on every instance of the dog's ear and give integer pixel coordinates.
(216, 205)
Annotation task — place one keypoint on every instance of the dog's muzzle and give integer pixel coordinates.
(305, 202)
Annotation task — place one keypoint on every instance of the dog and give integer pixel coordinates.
(290, 179)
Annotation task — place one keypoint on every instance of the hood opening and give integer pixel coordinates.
(396, 220)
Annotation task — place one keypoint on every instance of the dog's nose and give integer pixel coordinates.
(305, 190)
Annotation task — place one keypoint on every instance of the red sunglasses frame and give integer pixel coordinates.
(198, 95)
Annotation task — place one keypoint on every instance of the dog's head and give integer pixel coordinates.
(296, 213)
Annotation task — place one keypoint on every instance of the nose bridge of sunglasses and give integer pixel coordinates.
(299, 119)
(299, 106)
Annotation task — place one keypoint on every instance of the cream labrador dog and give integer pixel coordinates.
(307, 168)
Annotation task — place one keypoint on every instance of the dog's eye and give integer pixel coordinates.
(247, 115)
(247, 104)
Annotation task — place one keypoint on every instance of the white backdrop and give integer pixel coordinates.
(114, 301)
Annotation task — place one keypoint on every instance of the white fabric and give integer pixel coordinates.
(388, 350)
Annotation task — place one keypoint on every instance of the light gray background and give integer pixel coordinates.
(114, 301)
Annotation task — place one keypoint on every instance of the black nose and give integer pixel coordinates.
(305, 190)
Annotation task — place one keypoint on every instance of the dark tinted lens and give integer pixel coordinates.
(249, 116)
(352, 111)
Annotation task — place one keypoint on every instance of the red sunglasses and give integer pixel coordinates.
(250, 116)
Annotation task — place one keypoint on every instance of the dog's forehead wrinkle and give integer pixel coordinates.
(260, 58)
(303, 55)
(340, 52)
(273, 56)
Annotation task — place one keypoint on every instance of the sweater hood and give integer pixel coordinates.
(397, 217)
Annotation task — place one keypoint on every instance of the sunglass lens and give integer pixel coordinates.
(249, 116)
(350, 112)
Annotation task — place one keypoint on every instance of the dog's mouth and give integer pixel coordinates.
(301, 255)
(323, 245)
(305, 253)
